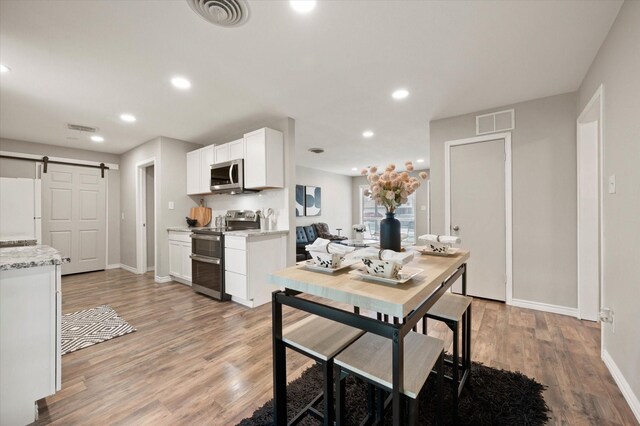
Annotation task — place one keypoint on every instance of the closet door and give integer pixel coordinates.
(74, 216)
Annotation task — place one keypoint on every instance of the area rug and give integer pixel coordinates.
(495, 397)
(90, 326)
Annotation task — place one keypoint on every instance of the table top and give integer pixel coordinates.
(395, 300)
(358, 243)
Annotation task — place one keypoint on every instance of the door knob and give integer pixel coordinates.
(456, 228)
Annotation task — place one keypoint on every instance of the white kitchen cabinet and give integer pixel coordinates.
(199, 170)
(30, 340)
(206, 160)
(264, 159)
(248, 262)
(221, 153)
(179, 260)
(236, 149)
(193, 172)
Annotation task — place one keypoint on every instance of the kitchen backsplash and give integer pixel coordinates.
(274, 198)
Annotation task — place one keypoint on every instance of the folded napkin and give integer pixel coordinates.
(445, 239)
(390, 255)
(325, 246)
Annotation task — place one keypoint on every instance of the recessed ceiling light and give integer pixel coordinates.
(4, 68)
(128, 118)
(400, 94)
(355, 169)
(180, 83)
(367, 133)
(420, 160)
(97, 138)
(302, 6)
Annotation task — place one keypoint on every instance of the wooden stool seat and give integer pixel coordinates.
(450, 307)
(320, 337)
(370, 358)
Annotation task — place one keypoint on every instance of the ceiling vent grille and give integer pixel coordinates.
(500, 121)
(225, 13)
(81, 128)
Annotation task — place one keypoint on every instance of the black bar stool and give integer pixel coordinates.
(320, 339)
(453, 310)
(369, 358)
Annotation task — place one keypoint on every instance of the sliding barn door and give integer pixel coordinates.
(74, 216)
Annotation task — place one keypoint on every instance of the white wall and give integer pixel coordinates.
(26, 169)
(336, 199)
(171, 185)
(544, 194)
(617, 68)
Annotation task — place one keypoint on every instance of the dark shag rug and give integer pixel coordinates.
(494, 397)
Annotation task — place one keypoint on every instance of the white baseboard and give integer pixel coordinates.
(164, 279)
(151, 268)
(622, 383)
(128, 268)
(247, 303)
(113, 266)
(545, 307)
(181, 280)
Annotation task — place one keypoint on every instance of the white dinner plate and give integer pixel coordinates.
(405, 275)
(311, 265)
(424, 250)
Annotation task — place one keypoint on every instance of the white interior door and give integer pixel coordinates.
(74, 216)
(588, 222)
(477, 214)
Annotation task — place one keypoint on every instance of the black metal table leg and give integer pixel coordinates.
(398, 370)
(279, 366)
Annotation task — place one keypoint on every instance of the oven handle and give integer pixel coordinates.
(205, 237)
(204, 259)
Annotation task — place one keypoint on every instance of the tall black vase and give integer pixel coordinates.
(390, 233)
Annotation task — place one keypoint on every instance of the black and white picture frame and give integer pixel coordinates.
(312, 201)
(299, 200)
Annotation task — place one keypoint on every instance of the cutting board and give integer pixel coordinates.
(201, 214)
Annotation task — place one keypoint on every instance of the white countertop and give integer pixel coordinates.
(242, 233)
(30, 257)
(256, 233)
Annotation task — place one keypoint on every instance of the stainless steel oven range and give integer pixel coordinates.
(207, 252)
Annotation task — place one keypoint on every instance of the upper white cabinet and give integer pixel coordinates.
(221, 153)
(264, 159)
(236, 149)
(199, 170)
(193, 172)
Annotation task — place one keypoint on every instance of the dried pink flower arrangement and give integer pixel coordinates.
(391, 188)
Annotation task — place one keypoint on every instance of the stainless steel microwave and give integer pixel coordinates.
(228, 178)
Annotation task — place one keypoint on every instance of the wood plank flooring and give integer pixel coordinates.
(194, 361)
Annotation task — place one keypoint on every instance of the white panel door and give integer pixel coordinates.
(236, 150)
(477, 185)
(193, 172)
(221, 153)
(74, 216)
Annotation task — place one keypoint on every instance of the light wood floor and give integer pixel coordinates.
(195, 361)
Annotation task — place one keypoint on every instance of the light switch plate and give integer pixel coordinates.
(122, 216)
(612, 184)
(423, 208)
(171, 205)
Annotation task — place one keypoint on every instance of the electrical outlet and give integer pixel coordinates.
(423, 208)
(122, 216)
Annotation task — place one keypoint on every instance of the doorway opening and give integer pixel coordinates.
(590, 228)
(146, 253)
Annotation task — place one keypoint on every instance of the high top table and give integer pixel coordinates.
(409, 301)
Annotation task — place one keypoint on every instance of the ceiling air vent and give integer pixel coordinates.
(225, 13)
(495, 122)
(81, 128)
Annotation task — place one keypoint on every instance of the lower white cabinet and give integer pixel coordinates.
(248, 262)
(30, 342)
(179, 260)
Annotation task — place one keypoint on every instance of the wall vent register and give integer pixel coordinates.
(499, 121)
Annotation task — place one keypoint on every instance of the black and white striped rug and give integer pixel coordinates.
(90, 326)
